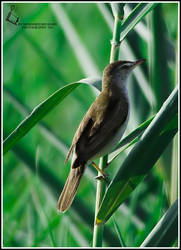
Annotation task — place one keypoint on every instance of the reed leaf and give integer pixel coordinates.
(142, 157)
(159, 56)
(36, 115)
(40, 111)
(165, 232)
(137, 132)
(44, 129)
(136, 16)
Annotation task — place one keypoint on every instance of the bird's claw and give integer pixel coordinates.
(105, 177)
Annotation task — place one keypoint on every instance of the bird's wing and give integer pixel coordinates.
(98, 125)
(83, 127)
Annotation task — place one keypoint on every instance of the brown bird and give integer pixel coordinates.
(101, 128)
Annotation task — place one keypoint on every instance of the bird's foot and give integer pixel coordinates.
(102, 175)
(105, 177)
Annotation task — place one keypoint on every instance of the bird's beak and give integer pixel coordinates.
(138, 62)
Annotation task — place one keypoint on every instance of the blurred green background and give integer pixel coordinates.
(36, 62)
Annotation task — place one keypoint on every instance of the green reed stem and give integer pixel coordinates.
(101, 187)
(101, 184)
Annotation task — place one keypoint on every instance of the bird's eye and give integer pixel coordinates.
(125, 67)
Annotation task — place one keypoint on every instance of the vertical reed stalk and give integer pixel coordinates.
(116, 40)
(101, 187)
(101, 184)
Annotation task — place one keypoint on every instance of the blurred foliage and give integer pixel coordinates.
(36, 62)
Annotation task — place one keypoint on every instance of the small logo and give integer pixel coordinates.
(12, 18)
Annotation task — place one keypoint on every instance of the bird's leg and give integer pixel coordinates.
(103, 174)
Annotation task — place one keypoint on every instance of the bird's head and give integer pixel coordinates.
(117, 72)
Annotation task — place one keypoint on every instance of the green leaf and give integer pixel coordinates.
(131, 139)
(122, 244)
(44, 129)
(141, 158)
(137, 132)
(136, 15)
(158, 57)
(134, 136)
(42, 110)
(95, 82)
(159, 69)
(165, 232)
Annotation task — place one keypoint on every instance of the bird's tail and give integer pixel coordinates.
(70, 188)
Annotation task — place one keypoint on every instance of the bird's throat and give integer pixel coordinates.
(115, 86)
